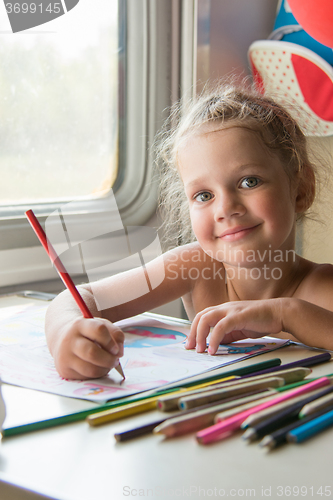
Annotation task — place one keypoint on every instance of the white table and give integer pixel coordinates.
(78, 462)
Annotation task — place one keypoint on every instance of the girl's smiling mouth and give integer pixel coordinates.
(237, 232)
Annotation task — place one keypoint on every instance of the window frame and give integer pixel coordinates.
(151, 84)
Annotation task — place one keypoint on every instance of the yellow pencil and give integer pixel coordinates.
(121, 412)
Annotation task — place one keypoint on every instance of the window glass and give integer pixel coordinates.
(58, 106)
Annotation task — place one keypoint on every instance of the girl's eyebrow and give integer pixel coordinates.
(250, 165)
(238, 169)
(195, 182)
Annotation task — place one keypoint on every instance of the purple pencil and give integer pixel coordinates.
(313, 360)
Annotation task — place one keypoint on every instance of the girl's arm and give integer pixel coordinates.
(308, 317)
(89, 348)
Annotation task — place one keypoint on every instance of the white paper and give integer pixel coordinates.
(154, 356)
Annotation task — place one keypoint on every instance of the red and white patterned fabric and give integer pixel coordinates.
(299, 79)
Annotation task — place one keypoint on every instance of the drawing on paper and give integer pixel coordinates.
(143, 337)
(154, 356)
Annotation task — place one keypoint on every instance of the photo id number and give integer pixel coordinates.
(33, 8)
(304, 491)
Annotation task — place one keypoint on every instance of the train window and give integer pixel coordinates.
(59, 117)
(81, 100)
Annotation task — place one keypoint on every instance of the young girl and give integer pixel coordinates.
(242, 162)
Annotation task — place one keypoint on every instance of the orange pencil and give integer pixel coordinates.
(67, 280)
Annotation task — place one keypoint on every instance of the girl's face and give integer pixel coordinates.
(241, 201)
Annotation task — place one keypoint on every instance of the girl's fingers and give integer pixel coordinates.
(224, 332)
(83, 370)
(192, 339)
(92, 353)
(225, 328)
(192, 336)
(90, 349)
(71, 366)
(104, 333)
(69, 373)
(229, 329)
(234, 321)
(233, 336)
(208, 319)
(119, 337)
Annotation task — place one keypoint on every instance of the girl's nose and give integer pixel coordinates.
(229, 205)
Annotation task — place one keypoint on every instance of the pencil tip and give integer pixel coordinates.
(267, 442)
(120, 371)
(249, 435)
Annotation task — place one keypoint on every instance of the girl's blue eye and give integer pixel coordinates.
(204, 196)
(250, 182)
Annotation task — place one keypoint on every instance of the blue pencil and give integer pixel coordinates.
(311, 428)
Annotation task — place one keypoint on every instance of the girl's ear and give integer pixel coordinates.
(306, 189)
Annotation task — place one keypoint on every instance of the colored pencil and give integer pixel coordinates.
(130, 409)
(279, 436)
(294, 385)
(75, 416)
(289, 375)
(67, 280)
(81, 415)
(137, 431)
(305, 399)
(106, 416)
(187, 402)
(316, 405)
(272, 423)
(170, 402)
(148, 428)
(310, 429)
(228, 426)
(197, 418)
(306, 362)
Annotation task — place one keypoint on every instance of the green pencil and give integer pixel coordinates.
(299, 383)
(81, 415)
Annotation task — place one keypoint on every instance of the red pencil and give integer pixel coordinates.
(55, 259)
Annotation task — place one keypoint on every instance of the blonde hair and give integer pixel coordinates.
(230, 105)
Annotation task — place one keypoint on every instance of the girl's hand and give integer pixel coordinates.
(233, 321)
(88, 348)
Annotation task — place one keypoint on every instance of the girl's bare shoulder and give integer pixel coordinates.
(317, 284)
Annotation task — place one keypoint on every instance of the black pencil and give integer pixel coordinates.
(280, 436)
(270, 424)
(138, 431)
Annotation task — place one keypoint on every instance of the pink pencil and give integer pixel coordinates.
(61, 270)
(226, 427)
